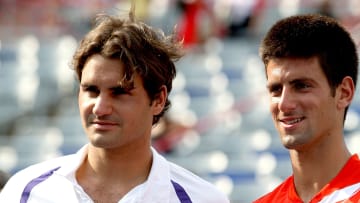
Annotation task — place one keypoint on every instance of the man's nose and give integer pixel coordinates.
(102, 106)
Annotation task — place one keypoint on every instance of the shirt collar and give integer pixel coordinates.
(73, 162)
(158, 185)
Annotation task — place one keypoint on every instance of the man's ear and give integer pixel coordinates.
(346, 92)
(160, 100)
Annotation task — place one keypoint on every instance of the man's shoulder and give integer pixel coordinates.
(199, 189)
(38, 169)
(196, 185)
(18, 181)
(182, 174)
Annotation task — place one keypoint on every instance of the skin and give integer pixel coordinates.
(309, 120)
(118, 125)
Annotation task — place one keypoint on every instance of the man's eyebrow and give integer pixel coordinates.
(86, 85)
(272, 85)
(117, 87)
(113, 88)
(123, 87)
(297, 80)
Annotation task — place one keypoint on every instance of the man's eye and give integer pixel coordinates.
(91, 89)
(119, 91)
(301, 86)
(276, 90)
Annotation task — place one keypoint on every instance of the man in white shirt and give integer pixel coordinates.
(125, 69)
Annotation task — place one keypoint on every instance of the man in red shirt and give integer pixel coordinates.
(311, 65)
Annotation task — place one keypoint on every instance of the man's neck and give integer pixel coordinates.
(314, 169)
(113, 173)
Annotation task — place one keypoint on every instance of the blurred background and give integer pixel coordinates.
(218, 127)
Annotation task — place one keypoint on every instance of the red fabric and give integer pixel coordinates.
(348, 176)
(189, 24)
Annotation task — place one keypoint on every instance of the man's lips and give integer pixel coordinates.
(291, 121)
(103, 122)
(103, 125)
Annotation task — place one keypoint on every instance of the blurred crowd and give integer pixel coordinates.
(197, 20)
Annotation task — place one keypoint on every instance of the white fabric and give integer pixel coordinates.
(62, 186)
(341, 194)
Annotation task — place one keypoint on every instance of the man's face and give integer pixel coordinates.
(111, 115)
(303, 110)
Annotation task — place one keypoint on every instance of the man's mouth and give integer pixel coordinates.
(291, 121)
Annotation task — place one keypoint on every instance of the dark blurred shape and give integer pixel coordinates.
(167, 134)
(243, 17)
(4, 177)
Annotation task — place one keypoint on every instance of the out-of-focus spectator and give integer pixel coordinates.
(197, 22)
(167, 134)
(243, 16)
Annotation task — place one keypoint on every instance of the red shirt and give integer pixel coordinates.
(344, 188)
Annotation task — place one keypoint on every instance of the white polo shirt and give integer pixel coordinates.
(54, 181)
